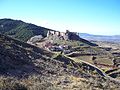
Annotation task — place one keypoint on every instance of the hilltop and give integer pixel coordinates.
(21, 30)
(24, 31)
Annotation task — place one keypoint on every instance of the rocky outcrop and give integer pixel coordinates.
(67, 36)
(72, 35)
(35, 39)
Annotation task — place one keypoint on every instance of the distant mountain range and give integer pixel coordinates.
(113, 38)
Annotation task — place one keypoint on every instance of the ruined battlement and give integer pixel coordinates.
(57, 33)
(64, 35)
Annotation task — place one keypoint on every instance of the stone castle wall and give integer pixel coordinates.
(64, 35)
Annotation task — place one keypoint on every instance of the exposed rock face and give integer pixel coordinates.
(72, 36)
(35, 39)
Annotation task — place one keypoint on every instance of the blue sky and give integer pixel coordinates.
(100, 17)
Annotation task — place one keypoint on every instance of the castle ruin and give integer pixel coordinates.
(64, 35)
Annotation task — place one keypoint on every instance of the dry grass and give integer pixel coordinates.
(86, 58)
(66, 82)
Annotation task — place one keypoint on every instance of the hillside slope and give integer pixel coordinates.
(24, 31)
(26, 67)
(21, 30)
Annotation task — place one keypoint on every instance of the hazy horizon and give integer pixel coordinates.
(98, 17)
